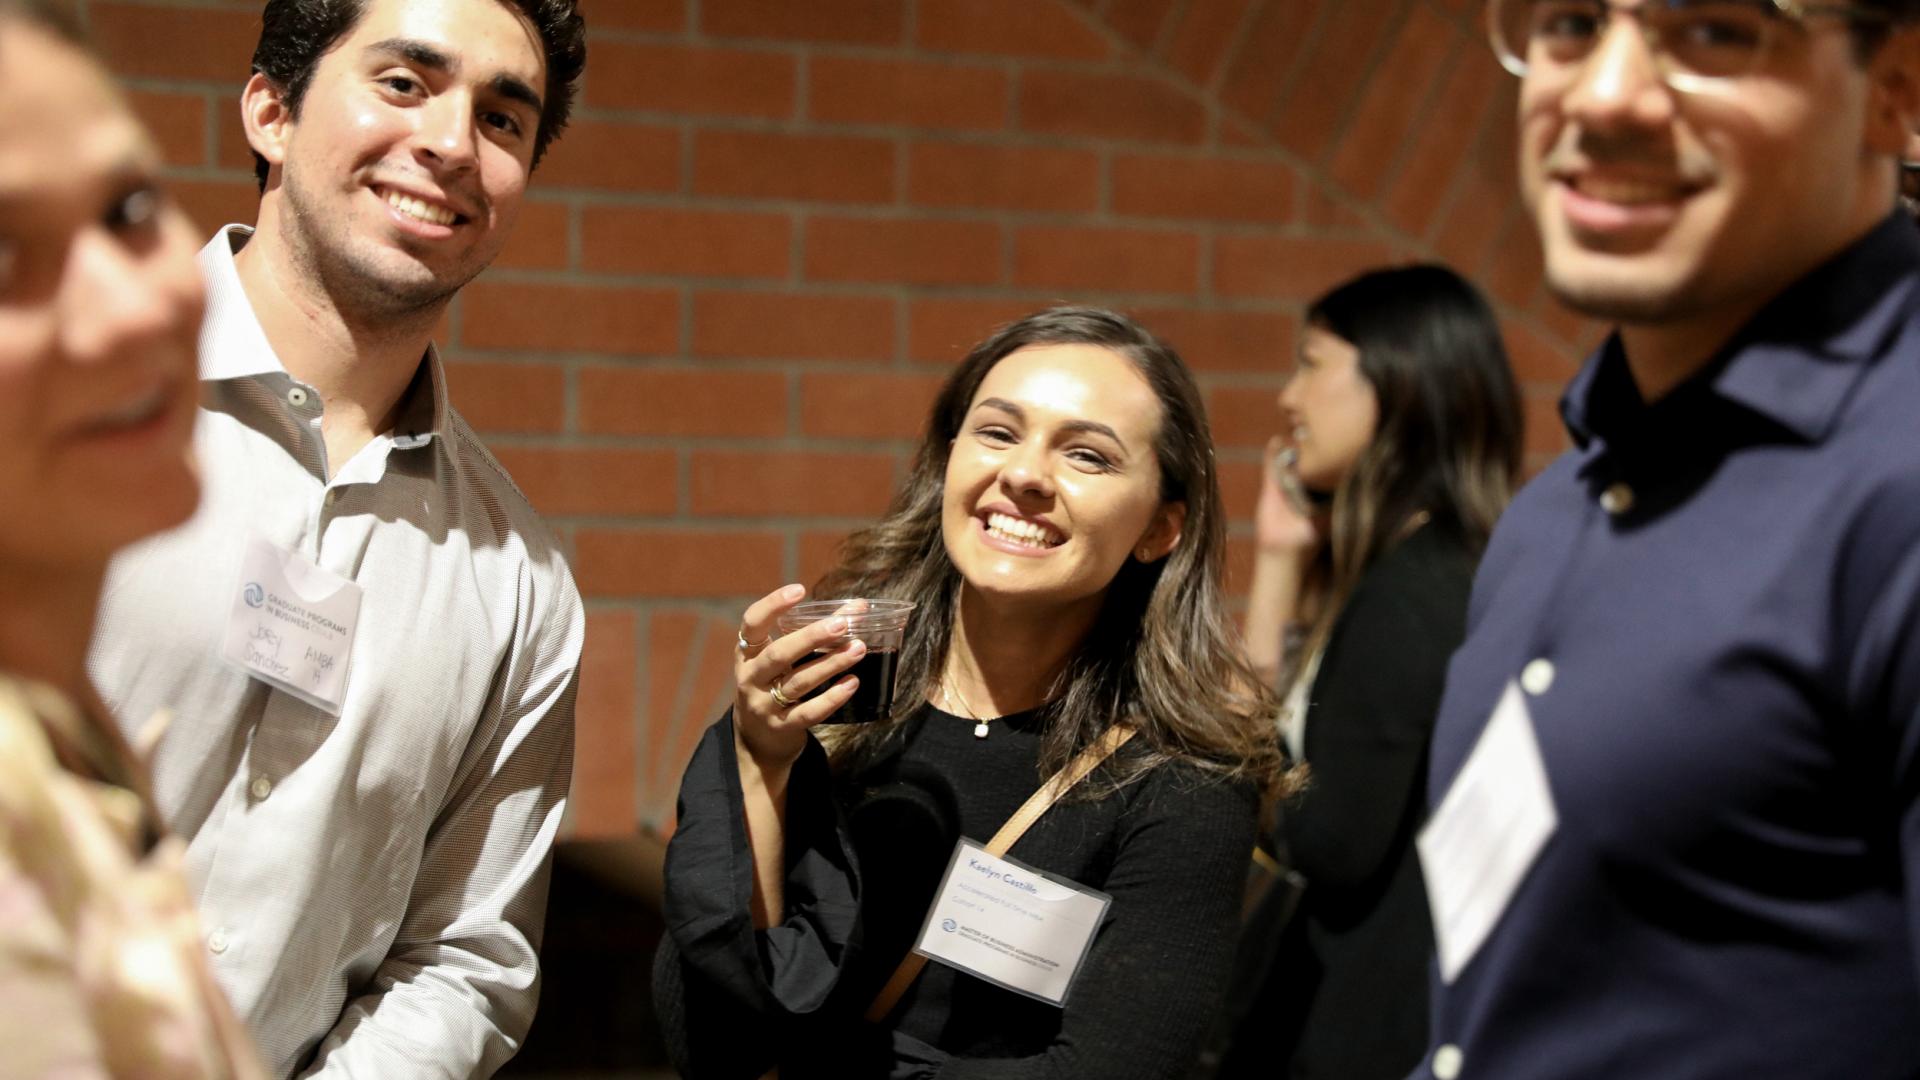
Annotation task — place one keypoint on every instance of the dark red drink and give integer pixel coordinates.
(873, 699)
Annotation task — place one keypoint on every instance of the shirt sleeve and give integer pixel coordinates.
(763, 987)
(456, 991)
(1369, 726)
(1879, 621)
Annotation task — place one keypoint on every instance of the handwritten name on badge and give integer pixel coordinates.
(1010, 924)
(292, 625)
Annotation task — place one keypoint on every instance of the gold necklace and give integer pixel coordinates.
(952, 697)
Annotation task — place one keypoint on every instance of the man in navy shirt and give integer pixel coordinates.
(1676, 775)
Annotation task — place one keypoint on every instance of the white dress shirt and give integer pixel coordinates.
(373, 884)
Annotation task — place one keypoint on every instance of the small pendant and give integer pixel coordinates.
(980, 730)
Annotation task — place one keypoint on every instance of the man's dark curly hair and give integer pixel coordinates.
(295, 34)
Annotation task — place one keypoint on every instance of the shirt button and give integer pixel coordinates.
(1536, 677)
(261, 787)
(1617, 499)
(297, 397)
(217, 942)
(1447, 1061)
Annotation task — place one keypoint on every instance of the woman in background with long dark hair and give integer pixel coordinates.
(1401, 445)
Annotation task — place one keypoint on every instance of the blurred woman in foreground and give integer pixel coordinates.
(101, 966)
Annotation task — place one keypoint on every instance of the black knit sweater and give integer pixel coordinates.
(865, 855)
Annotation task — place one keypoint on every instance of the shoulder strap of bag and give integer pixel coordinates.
(1037, 804)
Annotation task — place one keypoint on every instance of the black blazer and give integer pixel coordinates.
(1344, 992)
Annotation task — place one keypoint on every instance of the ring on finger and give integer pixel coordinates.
(741, 637)
(780, 695)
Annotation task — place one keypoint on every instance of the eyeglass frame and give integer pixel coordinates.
(1788, 10)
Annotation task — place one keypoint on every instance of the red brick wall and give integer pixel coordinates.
(775, 223)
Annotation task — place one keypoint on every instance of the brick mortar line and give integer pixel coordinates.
(827, 445)
(802, 86)
(882, 289)
(250, 8)
(640, 682)
(825, 288)
(1236, 41)
(729, 526)
(884, 447)
(739, 124)
(1458, 51)
(1389, 30)
(163, 85)
(1292, 227)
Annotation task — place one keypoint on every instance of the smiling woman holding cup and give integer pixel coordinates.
(1059, 807)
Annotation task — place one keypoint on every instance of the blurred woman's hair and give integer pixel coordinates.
(1448, 443)
(1871, 33)
(1162, 655)
(52, 16)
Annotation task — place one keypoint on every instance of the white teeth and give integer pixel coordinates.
(1027, 533)
(1626, 192)
(414, 208)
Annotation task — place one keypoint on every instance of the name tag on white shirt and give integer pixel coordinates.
(292, 625)
(1014, 926)
(1486, 833)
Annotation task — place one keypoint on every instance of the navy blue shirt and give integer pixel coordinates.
(1718, 596)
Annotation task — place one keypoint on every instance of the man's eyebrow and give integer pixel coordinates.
(420, 54)
(1090, 427)
(417, 53)
(517, 90)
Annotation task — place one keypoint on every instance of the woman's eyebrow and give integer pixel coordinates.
(1089, 427)
(1095, 427)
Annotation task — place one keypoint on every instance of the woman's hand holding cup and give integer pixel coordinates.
(771, 710)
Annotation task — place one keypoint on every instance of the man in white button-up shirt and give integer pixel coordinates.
(369, 860)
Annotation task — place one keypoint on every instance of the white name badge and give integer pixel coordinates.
(1012, 925)
(1486, 833)
(292, 625)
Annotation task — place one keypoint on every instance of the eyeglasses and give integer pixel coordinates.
(1696, 44)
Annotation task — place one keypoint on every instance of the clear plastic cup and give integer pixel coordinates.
(882, 625)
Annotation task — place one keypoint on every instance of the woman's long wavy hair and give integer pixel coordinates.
(1448, 441)
(1162, 655)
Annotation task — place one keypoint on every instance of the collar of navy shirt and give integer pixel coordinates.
(1795, 363)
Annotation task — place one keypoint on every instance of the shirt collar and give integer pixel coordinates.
(423, 408)
(233, 346)
(1795, 362)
